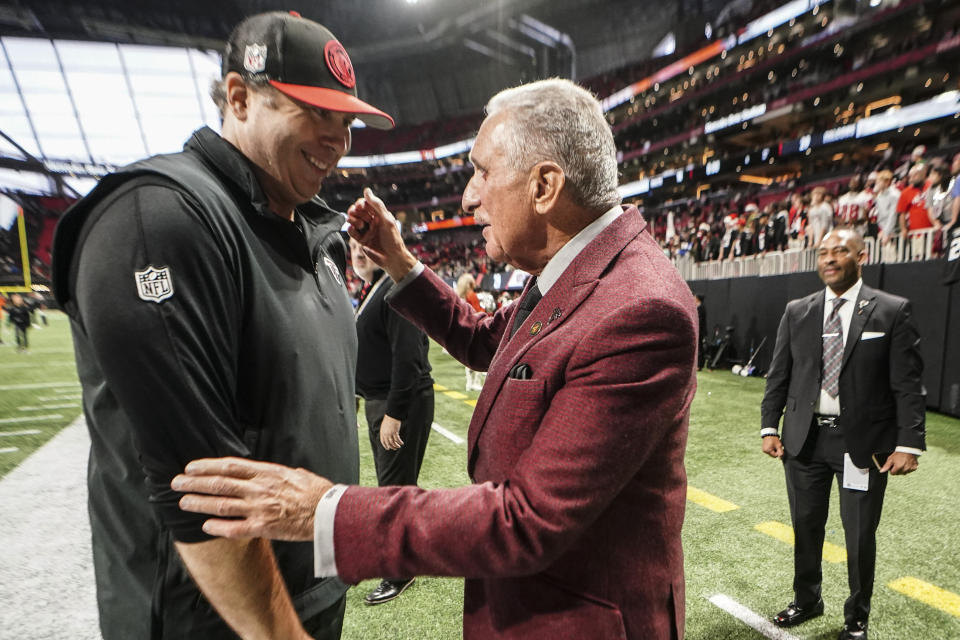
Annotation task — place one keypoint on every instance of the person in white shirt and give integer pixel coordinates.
(885, 211)
(819, 217)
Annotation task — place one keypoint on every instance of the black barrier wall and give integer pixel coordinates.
(753, 306)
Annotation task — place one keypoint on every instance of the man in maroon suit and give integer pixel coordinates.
(571, 528)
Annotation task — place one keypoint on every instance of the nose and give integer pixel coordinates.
(470, 200)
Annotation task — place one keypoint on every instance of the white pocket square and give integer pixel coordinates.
(870, 335)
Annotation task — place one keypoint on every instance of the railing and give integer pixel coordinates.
(915, 246)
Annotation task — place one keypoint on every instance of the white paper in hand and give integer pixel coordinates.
(853, 476)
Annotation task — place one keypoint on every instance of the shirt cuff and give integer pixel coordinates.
(769, 431)
(912, 450)
(412, 275)
(324, 558)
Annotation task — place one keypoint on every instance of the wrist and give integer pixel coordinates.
(400, 266)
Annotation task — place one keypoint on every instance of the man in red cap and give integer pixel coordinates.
(209, 313)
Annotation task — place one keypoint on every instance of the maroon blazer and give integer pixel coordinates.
(572, 526)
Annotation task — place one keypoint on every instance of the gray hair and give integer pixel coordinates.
(559, 121)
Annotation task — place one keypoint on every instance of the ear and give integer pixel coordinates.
(548, 181)
(238, 95)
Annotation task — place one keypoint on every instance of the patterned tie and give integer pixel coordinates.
(833, 350)
(525, 306)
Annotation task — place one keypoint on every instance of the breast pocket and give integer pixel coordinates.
(514, 419)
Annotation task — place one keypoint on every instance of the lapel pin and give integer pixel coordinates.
(535, 329)
(861, 305)
(555, 315)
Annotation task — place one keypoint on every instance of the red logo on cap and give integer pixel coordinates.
(339, 64)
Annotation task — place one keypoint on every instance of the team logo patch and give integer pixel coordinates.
(154, 285)
(333, 270)
(255, 58)
(339, 64)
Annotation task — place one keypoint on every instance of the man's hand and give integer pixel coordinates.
(376, 229)
(390, 433)
(772, 446)
(263, 500)
(900, 463)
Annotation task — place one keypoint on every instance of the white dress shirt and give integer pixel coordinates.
(324, 558)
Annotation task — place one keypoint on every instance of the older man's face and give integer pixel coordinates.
(501, 197)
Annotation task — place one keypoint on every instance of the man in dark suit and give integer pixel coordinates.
(846, 367)
(572, 526)
(393, 377)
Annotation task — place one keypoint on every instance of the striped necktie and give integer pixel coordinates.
(833, 350)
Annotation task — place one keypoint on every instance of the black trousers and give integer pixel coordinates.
(328, 624)
(809, 478)
(401, 467)
(21, 336)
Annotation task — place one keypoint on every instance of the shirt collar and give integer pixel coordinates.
(562, 258)
(850, 295)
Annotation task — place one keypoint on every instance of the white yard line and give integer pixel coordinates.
(75, 396)
(44, 407)
(43, 418)
(447, 434)
(9, 449)
(750, 618)
(53, 363)
(24, 432)
(68, 386)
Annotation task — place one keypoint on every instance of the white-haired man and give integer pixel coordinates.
(572, 526)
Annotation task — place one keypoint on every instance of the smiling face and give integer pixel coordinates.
(501, 197)
(293, 146)
(840, 258)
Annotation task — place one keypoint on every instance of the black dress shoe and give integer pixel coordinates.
(853, 631)
(387, 590)
(794, 614)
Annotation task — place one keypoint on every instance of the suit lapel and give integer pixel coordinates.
(573, 287)
(861, 313)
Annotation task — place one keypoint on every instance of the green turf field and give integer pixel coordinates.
(726, 552)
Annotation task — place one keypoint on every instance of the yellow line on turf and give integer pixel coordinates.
(928, 594)
(709, 501)
(784, 533)
(456, 395)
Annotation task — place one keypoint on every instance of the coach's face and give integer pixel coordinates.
(293, 146)
(839, 260)
(500, 197)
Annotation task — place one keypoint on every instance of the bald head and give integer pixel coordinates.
(850, 236)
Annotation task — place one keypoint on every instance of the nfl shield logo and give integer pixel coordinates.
(255, 58)
(154, 285)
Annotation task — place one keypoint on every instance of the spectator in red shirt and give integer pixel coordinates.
(912, 206)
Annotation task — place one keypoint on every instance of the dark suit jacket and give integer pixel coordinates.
(572, 528)
(882, 402)
(392, 354)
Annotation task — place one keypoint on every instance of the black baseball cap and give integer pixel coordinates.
(302, 59)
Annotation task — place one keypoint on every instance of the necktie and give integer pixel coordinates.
(833, 350)
(525, 306)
